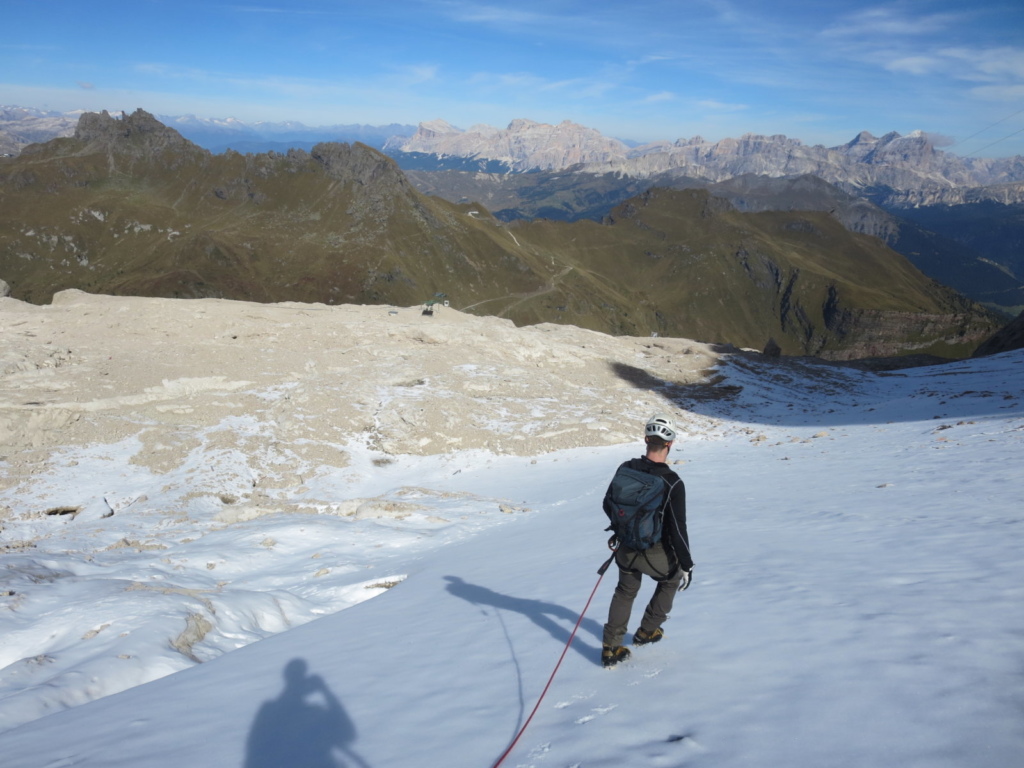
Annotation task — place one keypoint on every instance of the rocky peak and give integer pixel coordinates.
(860, 145)
(360, 163)
(436, 128)
(915, 148)
(521, 124)
(428, 134)
(864, 137)
(137, 133)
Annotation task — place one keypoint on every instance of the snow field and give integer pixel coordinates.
(856, 601)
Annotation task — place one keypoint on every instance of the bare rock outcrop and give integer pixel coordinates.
(139, 134)
(1009, 338)
(101, 126)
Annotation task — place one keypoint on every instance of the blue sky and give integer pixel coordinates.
(641, 70)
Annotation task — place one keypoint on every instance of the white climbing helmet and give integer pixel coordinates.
(659, 425)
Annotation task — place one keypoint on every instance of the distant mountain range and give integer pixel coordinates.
(910, 162)
(21, 126)
(960, 220)
(129, 206)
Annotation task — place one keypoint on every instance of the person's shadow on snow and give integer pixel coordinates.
(304, 727)
(539, 612)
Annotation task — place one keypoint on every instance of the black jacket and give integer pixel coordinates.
(673, 530)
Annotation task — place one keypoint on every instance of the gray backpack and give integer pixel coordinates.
(635, 505)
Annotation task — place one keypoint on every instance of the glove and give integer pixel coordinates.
(613, 542)
(685, 581)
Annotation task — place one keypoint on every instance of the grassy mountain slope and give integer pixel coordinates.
(130, 207)
(135, 215)
(571, 195)
(685, 263)
(561, 196)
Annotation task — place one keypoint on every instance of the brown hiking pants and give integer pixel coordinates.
(632, 566)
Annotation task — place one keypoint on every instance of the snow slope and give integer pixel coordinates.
(856, 600)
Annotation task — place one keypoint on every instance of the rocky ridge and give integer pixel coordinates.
(1011, 193)
(139, 135)
(750, 192)
(910, 162)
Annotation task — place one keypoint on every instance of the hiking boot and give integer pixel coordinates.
(643, 638)
(613, 654)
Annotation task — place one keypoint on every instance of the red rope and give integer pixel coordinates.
(551, 679)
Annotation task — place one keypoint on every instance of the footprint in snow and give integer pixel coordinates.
(646, 674)
(598, 711)
(573, 700)
(540, 750)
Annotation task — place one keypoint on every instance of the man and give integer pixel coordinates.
(668, 561)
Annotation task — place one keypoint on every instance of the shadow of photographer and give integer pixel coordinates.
(304, 727)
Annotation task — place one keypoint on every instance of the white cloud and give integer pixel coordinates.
(650, 59)
(1002, 68)
(915, 65)
(873, 22)
(517, 80)
(151, 68)
(514, 84)
(1011, 93)
(493, 15)
(721, 106)
(658, 97)
(422, 73)
(989, 63)
(726, 11)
